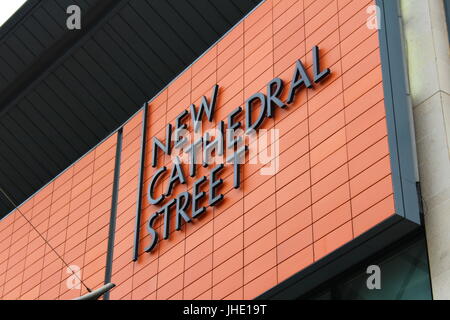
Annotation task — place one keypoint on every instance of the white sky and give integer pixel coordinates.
(8, 8)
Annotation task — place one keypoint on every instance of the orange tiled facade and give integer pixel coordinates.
(333, 184)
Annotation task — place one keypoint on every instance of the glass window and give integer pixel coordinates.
(404, 276)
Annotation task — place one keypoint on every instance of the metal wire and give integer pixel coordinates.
(43, 238)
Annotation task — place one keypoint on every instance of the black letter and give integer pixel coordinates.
(151, 187)
(236, 158)
(204, 107)
(180, 209)
(213, 185)
(178, 126)
(233, 126)
(166, 211)
(316, 66)
(176, 174)
(273, 95)
(197, 196)
(216, 144)
(158, 144)
(248, 114)
(297, 83)
(192, 151)
(152, 232)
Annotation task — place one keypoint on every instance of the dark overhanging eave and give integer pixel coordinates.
(43, 64)
(66, 142)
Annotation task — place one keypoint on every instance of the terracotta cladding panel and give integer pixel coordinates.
(276, 225)
(333, 183)
(63, 215)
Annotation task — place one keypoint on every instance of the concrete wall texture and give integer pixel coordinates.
(334, 181)
(427, 53)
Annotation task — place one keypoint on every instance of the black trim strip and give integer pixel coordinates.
(398, 112)
(112, 221)
(379, 256)
(140, 183)
(354, 252)
(447, 16)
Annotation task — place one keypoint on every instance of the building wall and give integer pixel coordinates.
(72, 213)
(334, 181)
(427, 48)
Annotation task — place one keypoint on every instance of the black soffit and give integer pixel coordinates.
(61, 91)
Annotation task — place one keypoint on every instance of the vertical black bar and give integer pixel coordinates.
(140, 182)
(398, 112)
(447, 16)
(112, 221)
